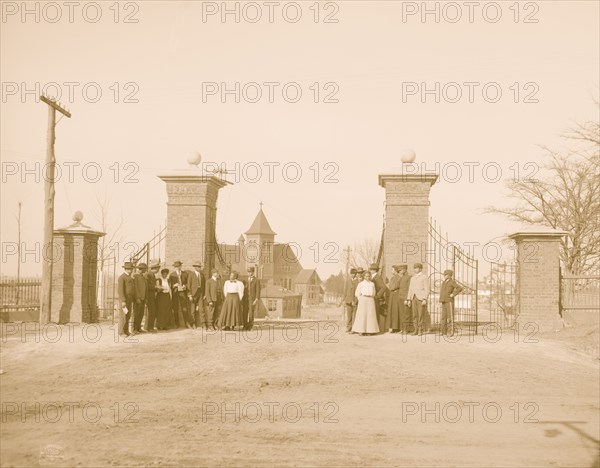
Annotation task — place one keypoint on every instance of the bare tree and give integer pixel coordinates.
(365, 253)
(587, 132)
(566, 198)
(113, 228)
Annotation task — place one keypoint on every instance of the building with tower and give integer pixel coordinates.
(276, 263)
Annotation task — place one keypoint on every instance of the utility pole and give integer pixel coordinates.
(18, 252)
(47, 250)
(347, 250)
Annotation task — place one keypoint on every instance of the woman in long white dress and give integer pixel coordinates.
(231, 312)
(365, 320)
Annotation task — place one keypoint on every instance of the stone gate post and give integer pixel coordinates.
(75, 272)
(406, 233)
(191, 218)
(538, 282)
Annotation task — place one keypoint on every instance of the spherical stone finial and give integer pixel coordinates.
(538, 218)
(78, 216)
(407, 155)
(194, 159)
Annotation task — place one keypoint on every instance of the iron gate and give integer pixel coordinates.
(107, 295)
(445, 255)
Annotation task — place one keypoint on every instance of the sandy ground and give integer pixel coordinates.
(296, 395)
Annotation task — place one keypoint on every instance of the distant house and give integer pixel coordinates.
(332, 297)
(277, 302)
(308, 284)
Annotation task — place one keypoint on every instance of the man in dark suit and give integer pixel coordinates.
(450, 288)
(141, 289)
(151, 295)
(381, 292)
(196, 285)
(350, 300)
(405, 312)
(214, 297)
(393, 320)
(178, 281)
(244, 302)
(252, 293)
(126, 288)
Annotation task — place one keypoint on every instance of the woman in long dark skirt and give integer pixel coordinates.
(163, 300)
(231, 311)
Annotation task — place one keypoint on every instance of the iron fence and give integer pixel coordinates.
(20, 299)
(579, 292)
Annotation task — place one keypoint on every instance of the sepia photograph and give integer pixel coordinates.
(311, 233)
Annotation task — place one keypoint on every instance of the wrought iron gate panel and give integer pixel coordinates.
(445, 255)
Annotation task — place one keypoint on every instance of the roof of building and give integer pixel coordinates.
(234, 254)
(285, 253)
(261, 225)
(277, 292)
(304, 276)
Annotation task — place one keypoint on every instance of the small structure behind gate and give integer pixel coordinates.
(503, 294)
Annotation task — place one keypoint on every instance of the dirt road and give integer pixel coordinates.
(295, 395)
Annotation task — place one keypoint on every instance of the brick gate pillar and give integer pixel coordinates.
(406, 218)
(74, 273)
(538, 281)
(191, 219)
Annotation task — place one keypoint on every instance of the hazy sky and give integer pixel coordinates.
(369, 57)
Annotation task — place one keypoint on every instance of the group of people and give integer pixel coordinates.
(400, 306)
(185, 298)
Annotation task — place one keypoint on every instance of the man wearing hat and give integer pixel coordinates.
(141, 289)
(178, 281)
(196, 285)
(151, 295)
(126, 288)
(418, 291)
(350, 300)
(214, 297)
(450, 288)
(252, 288)
(381, 292)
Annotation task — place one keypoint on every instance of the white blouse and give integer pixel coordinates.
(164, 283)
(365, 288)
(234, 287)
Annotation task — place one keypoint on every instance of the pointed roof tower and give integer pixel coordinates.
(260, 226)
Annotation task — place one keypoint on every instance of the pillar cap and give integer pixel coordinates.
(185, 176)
(429, 178)
(539, 232)
(78, 227)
